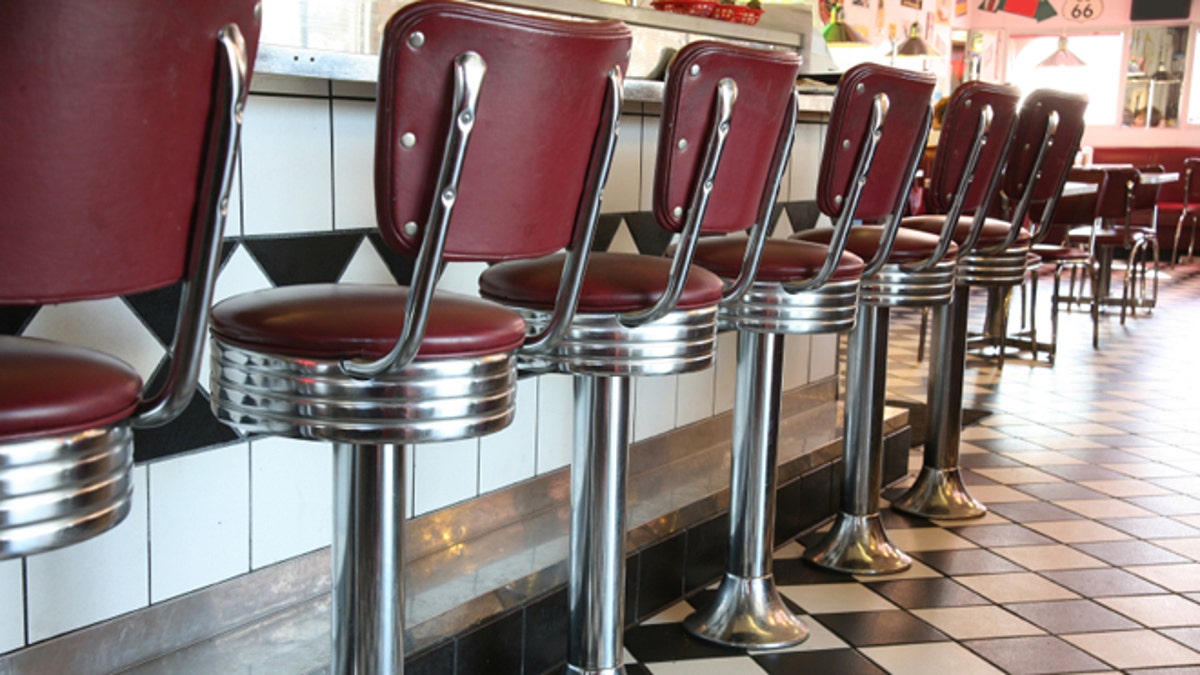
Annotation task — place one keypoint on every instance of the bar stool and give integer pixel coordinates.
(1188, 209)
(992, 254)
(918, 271)
(90, 210)
(494, 133)
(644, 316)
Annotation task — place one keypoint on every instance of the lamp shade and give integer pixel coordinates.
(915, 45)
(838, 32)
(1062, 57)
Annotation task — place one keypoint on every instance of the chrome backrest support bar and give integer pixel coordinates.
(469, 71)
(163, 404)
(724, 101)
(1022, 209)
(892, 224)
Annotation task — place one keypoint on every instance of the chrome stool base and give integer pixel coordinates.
(748, 613)
(858, 545)
(576, 670)
(940, 493)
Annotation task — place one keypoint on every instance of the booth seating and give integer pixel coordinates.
(796, 288)
(116, 171)
(916, 271)
(727, 122)
(1114, 229)
(992, 254)
(494, 134)
(1178, 201)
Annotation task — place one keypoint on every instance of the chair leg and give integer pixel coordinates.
(596, 562)
(1034, 278)
(1175, 257)
(1191, 238)
(858, 543)
(748, 611)
(921, 334)
(368, 559)
(939, 491)
(1054, 300)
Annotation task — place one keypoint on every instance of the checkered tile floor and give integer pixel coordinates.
(1089, 560)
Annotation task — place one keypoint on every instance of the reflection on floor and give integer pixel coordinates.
(1089, 560)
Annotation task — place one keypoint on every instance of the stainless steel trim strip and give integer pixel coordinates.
(769, 308)
(895, 286)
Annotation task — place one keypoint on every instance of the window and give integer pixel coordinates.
(1098, 78)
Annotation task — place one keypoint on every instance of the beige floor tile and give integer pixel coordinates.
(1194, 521)
(999, 494)
(1015, 587)
(927, 539)
(1125, 488)
(1043, 458)
(1051, 557)
(831, 598)
(1145, 469)
(1134, 649)
(1069, 443)
(1180, 578)
(918, 570)
(733, 665)
(981, 434)
(1090, 429)
(970, 623)
(1078, 531)
(1017, 475)
(1155, 611)
(1104, 508)
(929, 657)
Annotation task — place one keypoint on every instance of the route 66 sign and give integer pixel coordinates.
(1082, 10)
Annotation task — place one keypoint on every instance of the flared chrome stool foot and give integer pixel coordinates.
(858, 545)
(576, 670)
(748, 613)
(939, 493)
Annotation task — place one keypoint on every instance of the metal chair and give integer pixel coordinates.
(904, 267)
(992, 254)
(91, 210)
(493, 139)
(1189, 209)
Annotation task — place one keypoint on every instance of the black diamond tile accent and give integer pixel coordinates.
(436, 661)
(304, 259)
(606, 230)
(802, 215)
(158, 310)
(840, 661)
(891, 627)
(546, 633)
(660, 573)
(13, 319)
(491, 648)
(196, 427)
(967, 561)
(648, 235)
(401, 266)
(796, 571)
(670, 642)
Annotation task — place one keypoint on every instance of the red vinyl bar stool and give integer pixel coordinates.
(494, 132)
(918, 272)
(797, 287)
(116, 171)
(727, 122)
(1049, 127)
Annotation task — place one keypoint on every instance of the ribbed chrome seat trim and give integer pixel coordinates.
(1006, 269)
(768, 308)
(893, 286)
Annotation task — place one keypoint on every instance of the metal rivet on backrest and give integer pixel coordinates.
(846, 144)
(837, 199)
(682, 144)
(677, 211)
(410, 229)
(416, 39)
(408, 140)
(694, 70)
(860, 88)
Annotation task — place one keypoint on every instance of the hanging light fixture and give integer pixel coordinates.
(838, 32)
(915, 45)
(1062, 57)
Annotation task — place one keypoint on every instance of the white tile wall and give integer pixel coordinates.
(556, 421)
(291, 498)
(286, 166)
(510, 455)
(625, 175)
(654, 405)
(696, 397)
(806, 161)
(12, 605)
(462, 277)
(823, 355)
(796, 350)
(444, 473)
(725, 372)
(97, 579)
(199, 520)
(366, 267)
(106, 325)
(353, 164)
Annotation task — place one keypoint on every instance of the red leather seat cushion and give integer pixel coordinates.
(994, 230)
(783, 260)
(49, 389)
(615, 282)
(911, 246)
(339, 321)
(1052, 253)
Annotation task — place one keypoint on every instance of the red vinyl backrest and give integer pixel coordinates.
(902, 139)
(105, 109)
(1115, 197)
(1031, 128)
(1078, 209)
(539, 110)
(766, 83)
(967, 104)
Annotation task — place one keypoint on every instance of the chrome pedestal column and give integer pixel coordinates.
(368, 559)
(939, 491)
(748, 611)
(857, 542)
(596, 572)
